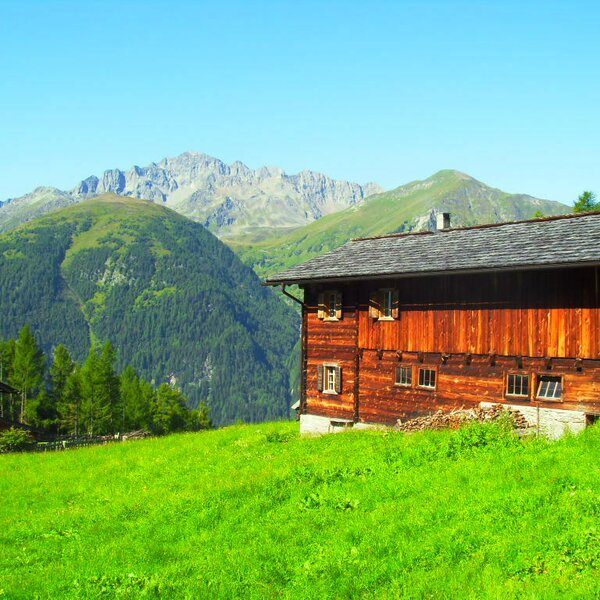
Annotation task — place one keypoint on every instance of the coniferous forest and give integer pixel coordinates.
(57, 395)
(179, 306)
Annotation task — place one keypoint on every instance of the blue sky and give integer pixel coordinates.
(508, 92)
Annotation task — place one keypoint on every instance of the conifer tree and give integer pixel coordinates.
(62, 367)
(170, 411)
(137, 397)
(586, 203)
(95, 406)
(8, 407)
(28, 368)
(69, 407)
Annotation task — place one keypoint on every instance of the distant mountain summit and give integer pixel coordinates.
(225, 198)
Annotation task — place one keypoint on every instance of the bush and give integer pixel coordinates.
(15, 440)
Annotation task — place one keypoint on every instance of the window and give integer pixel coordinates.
(387, 304)
(517, 385)
(404, 376)
(549, 387)
(427, 378)
(383, 304)
(330, 305)
(329, 378)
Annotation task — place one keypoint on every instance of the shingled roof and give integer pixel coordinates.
(567, 240)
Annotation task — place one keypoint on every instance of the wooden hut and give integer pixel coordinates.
(402, 325)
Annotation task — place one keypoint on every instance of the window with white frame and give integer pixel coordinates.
(330, 305)
(427, 378)
(549, 387)
(404, 376)
(329, 378)
(517, 385)
(387, 304)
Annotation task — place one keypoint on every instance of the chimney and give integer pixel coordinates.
(442, 221)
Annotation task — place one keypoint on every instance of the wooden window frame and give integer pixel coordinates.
(522, 397)
(538, 384)
(427, 368)
(412, 376)
(324, 305)
(323, 371)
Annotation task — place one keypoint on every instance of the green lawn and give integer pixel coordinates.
(258, 512)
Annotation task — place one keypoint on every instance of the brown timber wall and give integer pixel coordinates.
(471, 328)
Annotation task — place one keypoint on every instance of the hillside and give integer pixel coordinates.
(175, 301)
(257, 512)
(225, 198)
(405, 208)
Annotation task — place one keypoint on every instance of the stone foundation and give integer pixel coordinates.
(316, 425)
(550, 422)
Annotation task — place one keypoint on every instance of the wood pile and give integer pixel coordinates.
(457, 418)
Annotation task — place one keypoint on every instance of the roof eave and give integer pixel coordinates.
(404, 275)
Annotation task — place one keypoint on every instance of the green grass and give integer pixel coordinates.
(258, 512)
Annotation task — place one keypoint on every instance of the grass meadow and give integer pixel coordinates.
(258, 512)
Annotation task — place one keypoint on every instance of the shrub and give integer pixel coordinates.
(15, 440)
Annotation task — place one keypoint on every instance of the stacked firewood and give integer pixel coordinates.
(457, 418)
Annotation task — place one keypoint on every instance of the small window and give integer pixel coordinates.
(517, 385)
(404, 376)
(549, 387)
(384, 304)
(387, 302)
(329, 379)
(427, 378)
(330, 305)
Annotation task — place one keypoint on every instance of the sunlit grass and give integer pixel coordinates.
(258, 512)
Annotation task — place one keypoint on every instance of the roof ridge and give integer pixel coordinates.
(481, 226)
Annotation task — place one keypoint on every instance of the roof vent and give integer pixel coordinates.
(442, 221)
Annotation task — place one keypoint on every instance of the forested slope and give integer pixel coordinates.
(178, 304)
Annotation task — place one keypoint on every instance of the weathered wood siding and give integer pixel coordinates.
(470, 328)
(332, 342)
(537, 313)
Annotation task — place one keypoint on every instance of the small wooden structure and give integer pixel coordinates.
(398, 326)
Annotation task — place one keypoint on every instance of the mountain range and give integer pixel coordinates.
(409, 207)
(225, 198)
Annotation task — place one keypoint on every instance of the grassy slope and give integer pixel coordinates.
(257, 512)
(468, 200)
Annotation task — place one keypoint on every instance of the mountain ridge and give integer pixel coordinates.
(223, 197)
(410, 207)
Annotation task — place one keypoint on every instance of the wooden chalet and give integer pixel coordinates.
(402, 325)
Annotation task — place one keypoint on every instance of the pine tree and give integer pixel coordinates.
(60, 371)
(7, 356)
(137, 399)
(69, 408)
(109, 387)
(95, 407)
(28, 368)
(586, 203)
(169, 411)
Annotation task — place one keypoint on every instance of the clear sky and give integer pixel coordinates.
(506, 91)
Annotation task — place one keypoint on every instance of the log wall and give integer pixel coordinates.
(471, 329)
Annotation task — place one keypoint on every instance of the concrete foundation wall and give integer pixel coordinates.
(550, 422)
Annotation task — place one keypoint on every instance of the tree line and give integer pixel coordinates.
(63, 397)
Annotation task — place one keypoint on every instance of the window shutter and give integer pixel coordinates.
(320, 371)
(321, 312)
(395, 305)
(375, 305)
(338, 380)
(338, 305)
